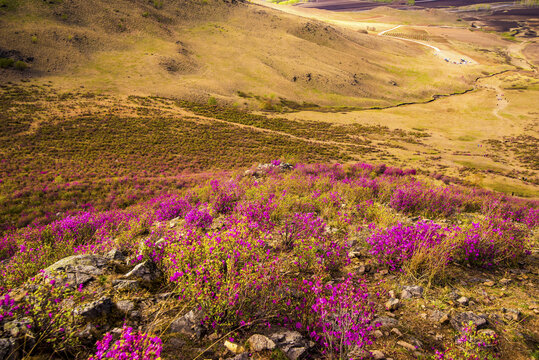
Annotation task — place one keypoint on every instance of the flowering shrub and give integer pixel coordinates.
(414, 198)
(302, 226)
(7, 306)
(397, 244)
(198, 218)
(344, 316)
(172, 207)
(472, 345)
(226, 273)
(131, 345)
(490, 242)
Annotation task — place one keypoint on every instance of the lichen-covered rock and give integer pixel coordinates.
(460, 320)
(385, 322)
(8, 349)
(292, 343)
(409, 292)
(259, 342)
(97, 309)
(190, 324)
(77, 269)
(146, 272)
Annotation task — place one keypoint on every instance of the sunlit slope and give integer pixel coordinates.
(239, 53)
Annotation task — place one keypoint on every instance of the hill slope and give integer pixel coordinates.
(197, 49)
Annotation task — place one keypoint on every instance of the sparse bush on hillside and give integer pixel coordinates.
(20, 65)
(6, 62)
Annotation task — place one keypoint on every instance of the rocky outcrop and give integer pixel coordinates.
(78, 269)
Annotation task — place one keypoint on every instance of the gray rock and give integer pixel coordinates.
(125, 306)
(392, 304)
(460, 320)
(259, 342)
(96, 309)
(378, 355)
(406, 345)
(89, 335)
(409, 292)
(385, 322)
(189, 324)
(146, 271)
(438, 316)
(511, 314)
(17, 328)
(8, 350)
(115, 254)
(291, 343)
(78, 269)
(358, 353)
(243, 356)
(463, 300)
(126, 285)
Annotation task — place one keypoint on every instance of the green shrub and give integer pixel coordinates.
(6, 62)
(20, 65)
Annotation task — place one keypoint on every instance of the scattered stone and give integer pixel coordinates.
(244, 356)
(511, 314)
(259, 342)
(406, 345)
(358, 353)
(396, 332)
(378, 334)
(96, 309)
(489, 283)
(453, 295)
(391, 294)
(190, 324)
(291, 343)
(438, 316)
(460, 320)
(235, 348)
(126, 285)
(505, 281)
(125, 306)
(463, 300)
(409, 292)
(392, 304)
(378, 355)
(385, 322)
(146, 271)
(361, 270)
(438, 337)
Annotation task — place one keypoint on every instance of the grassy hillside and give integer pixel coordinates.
(198, 49)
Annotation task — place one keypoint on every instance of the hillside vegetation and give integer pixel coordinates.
(221, 179)
(306, 258)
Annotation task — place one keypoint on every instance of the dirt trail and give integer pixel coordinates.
(501, 100)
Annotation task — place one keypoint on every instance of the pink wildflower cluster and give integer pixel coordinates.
(131, 345)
